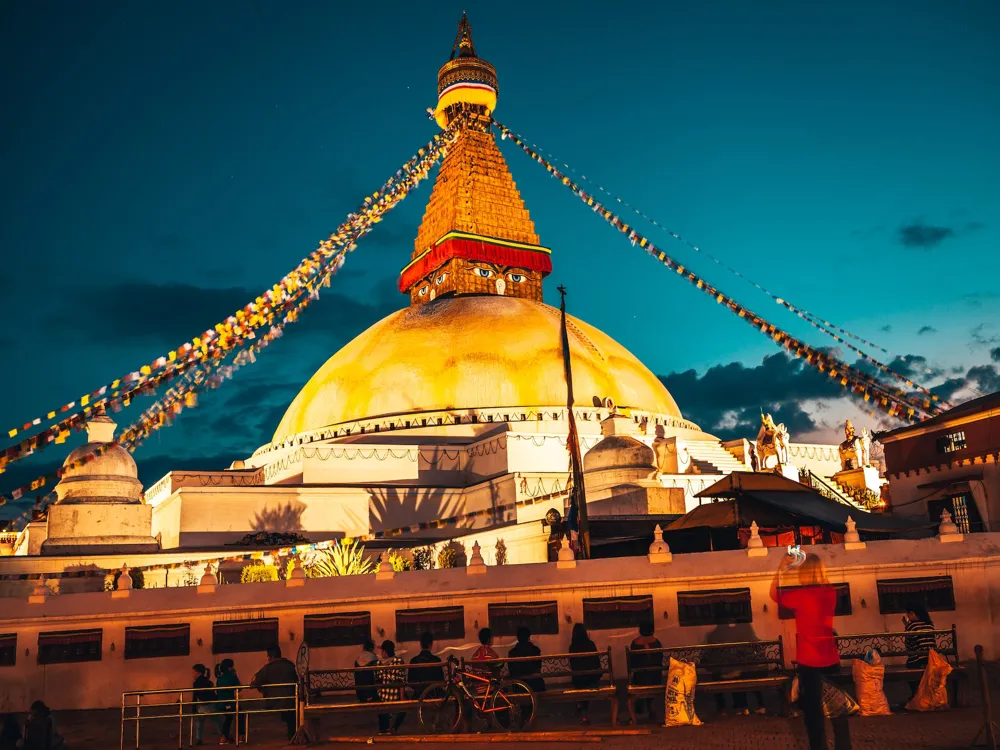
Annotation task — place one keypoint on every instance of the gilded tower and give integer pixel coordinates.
(476, 236)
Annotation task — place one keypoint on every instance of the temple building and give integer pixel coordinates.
(446, 425)
(452, 407)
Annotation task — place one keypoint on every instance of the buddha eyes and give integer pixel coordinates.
(423, 291)
(440, 279)
(484, 272)
(517, 278)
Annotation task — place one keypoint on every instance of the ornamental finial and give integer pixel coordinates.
(463, 46)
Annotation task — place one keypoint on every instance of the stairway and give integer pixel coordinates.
(828, 486)
(709, 457)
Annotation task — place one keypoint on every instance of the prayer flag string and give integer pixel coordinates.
(902, 407)
(933, 402)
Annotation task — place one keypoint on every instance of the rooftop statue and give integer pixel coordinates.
(855, 451)
(772, 442)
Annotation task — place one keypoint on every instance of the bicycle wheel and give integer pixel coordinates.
(513, 706)
(440, 709)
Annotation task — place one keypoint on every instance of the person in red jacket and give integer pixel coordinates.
(813, 601)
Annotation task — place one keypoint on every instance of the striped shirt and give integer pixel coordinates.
(919, 644)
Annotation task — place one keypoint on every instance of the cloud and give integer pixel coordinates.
(886, 328)
(981, 338)
(995, 354)
(727, 399)
(140, 312)
(926, 329)
(923, 236)
(985, 377)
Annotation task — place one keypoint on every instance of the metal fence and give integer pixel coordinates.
(170, 705)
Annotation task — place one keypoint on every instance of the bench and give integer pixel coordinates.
(892, 649)
(738, 667)
(335, 690)
(557, 673)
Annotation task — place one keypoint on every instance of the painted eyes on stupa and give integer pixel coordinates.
(517, 278)
(484, 272)
(423, 291)
(440, 279)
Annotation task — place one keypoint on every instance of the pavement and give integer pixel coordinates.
(101, 730)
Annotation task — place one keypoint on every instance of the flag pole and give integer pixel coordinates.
(578, 495)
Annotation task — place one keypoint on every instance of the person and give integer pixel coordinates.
(719, 662)
(276, 681)
(917, 621)
(813, 602)
(586, 669)
(651, 665)
(425, 676)
(226, 680)
(530, 672)
(204, 699)
(391, 677)
(485, 653)
(364, 681)
(40, 729)
(10, 733)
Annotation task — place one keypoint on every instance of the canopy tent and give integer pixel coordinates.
(772, 500)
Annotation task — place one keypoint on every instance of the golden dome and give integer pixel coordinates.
(470, 352)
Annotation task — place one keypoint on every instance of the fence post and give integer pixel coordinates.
(138, 718)
(180, 721)
(988, 726)
(237, 717)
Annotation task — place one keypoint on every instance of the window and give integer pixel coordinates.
(444, 623)
(154, 641)
(843, 602)
(620, 612)
(936, 594)
(8, 649)
(951, 443)
(66, 646)
(541, 618)
(239, 636)
(721, 606)
(341, 629)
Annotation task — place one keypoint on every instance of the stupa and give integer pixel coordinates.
(444, 422)
(99, 507)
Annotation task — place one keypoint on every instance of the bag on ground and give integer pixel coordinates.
(932, 695)
(793, 691)
(837, 703)
(868, 679)
(678, 710)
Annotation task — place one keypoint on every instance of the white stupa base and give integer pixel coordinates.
(105, 528)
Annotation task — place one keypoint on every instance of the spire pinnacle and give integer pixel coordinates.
(463, 46)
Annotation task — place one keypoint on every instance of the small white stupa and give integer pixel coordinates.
(99, 509)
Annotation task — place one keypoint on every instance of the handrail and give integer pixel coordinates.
(839, 496)
(180, 703)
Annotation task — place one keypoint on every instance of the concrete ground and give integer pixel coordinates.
(100, 730)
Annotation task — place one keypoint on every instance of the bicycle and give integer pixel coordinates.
(507, 704)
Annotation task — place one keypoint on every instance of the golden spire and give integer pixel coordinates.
(467, 85)
(463, 39)
(476, 236)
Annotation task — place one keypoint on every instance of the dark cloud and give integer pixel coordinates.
(727, 399)
(949, 388)
(981, 335)
(923, 236)
(985, 377)
(926, 329)
(886, 328)
(140, 312)
(995, 354)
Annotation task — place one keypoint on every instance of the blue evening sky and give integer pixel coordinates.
(161, 163)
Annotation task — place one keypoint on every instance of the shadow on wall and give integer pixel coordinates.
(392, 507)
(280, 518)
